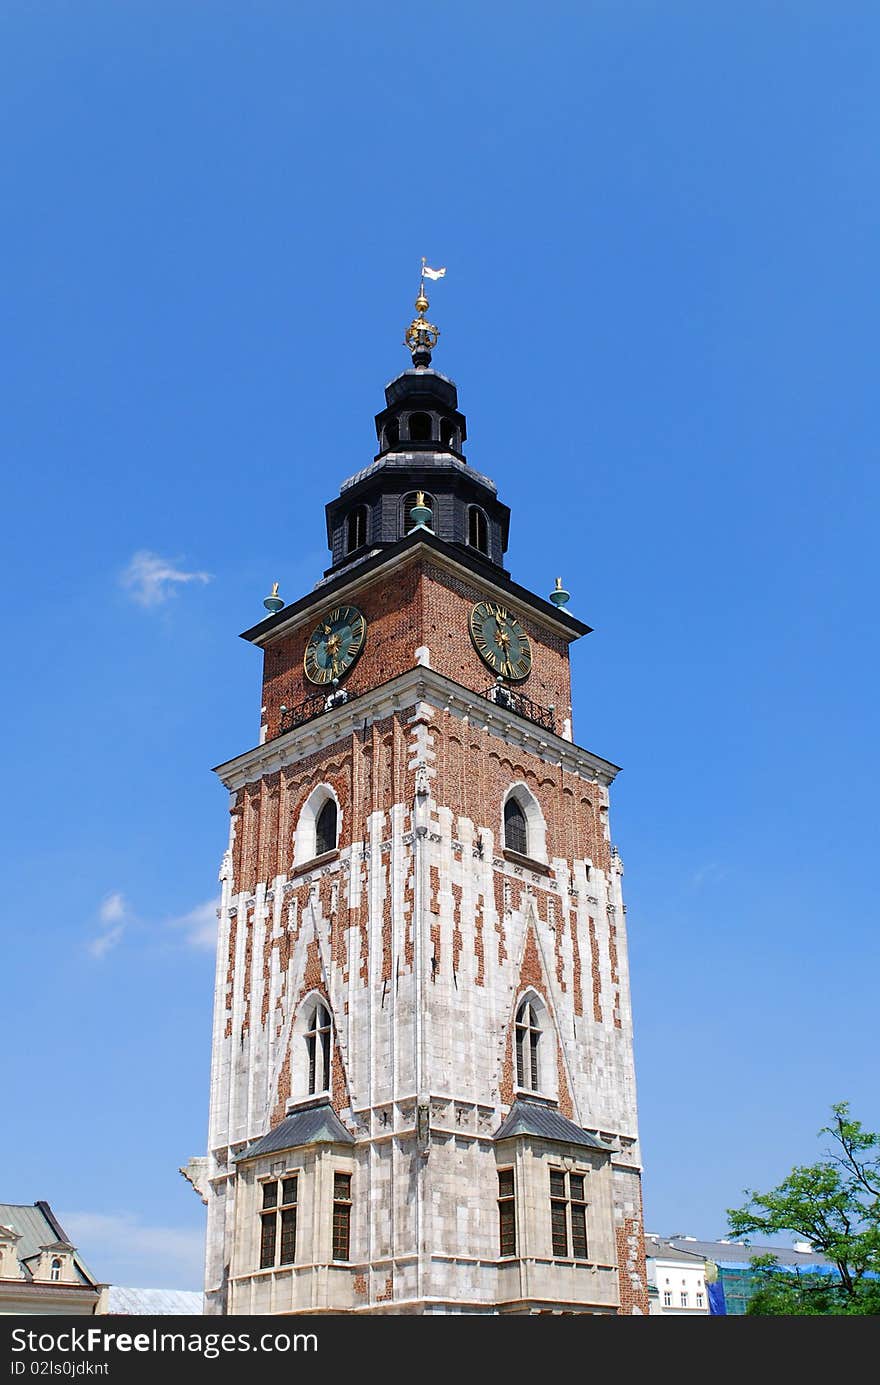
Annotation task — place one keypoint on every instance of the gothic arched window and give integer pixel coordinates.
(478, 529)
(356, 529)
(516, 835)
(528, 1037)
(318, 1048)
(325, 828)
(420, 427)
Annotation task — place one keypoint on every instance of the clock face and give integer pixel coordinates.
(500, 640)
(334, 644)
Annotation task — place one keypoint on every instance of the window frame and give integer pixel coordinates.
(564, 1208)
(318, 1035)
(507, 1213)
(340, 1224)
(276, 1219)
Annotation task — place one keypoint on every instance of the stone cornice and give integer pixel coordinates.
(419, 684)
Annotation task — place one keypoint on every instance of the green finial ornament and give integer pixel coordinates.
(420, 512)
(559, 596)
(273, 601)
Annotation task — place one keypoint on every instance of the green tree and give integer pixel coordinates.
(834, 1204)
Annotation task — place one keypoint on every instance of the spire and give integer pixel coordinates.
(421, 335)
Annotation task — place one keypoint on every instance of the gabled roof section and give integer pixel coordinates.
(534, 1118)
(312, 1125)
(38, 1229)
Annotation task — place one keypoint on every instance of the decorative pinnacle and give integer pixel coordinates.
(559, 596)
(273, 601)
(421, 335)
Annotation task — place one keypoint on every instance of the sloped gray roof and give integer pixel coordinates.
(311, 1126)
(152, 1302)
(733, 1253)
(38, 1226)
(534, 1118)
(658, 1249)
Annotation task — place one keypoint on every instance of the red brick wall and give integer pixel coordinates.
(422, 605)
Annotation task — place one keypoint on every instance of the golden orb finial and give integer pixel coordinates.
(421, 335)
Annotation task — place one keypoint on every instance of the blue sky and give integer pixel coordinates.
(661, 228)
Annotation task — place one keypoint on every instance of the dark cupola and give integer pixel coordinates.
(421, 435)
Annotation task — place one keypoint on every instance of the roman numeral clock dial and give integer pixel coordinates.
(500, 640)
(334, 644)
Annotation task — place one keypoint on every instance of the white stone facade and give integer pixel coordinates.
(423, 937)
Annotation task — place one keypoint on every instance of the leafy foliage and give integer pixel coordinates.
(834, 1204)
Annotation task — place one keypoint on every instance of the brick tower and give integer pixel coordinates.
(422, 1091)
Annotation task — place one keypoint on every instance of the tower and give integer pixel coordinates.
(422, 1089)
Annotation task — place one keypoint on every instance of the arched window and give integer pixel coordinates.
(55, 1269)
(325, 828)
(318, 825)
(408, 502)
(528, 1037)
(516, 835)
(356, 529)
(478, 529)
(420, 427)
(318, 1049)
(392, 432)
(447, 433)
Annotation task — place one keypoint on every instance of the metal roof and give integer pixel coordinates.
(38, 1226)
(534, 1118)
(313, 1125)
(737, 1253)
(149, 1302)
(658, 1249)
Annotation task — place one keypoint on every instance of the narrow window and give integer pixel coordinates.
(516, 837)
(274, 1214)
(684, 1300)
(667, 1298)
(478, 529)
(325, 828)
(392, 432)
(356, 529)
(268, 1228)
(506, 1213)
(341, 1216)
(55, 1270)
(420, 427)
(699, 1300)
(528, 1035)
(568, 1215)
(318, 1046)
(447, 432)
(288, 1221)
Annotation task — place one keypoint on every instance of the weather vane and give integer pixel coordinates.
(421, 335)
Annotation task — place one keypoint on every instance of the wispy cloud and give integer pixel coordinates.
(120, 1249)
(706, 875)
(151, 580)
(113, 916)
(199, 926)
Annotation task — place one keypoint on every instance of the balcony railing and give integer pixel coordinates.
(513, 701)
(313, 707)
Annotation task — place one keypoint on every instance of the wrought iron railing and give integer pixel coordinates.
(313, 707)
(513, 701)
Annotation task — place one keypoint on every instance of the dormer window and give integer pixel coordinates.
(356, 529)
(478, 529)
(420, 429)
(55, 1269)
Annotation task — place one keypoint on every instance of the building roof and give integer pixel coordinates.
(153, 1302)
(315, 1124)
(731, 1254)
(534, 1118)
(658, 1249)
(39, 1228)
